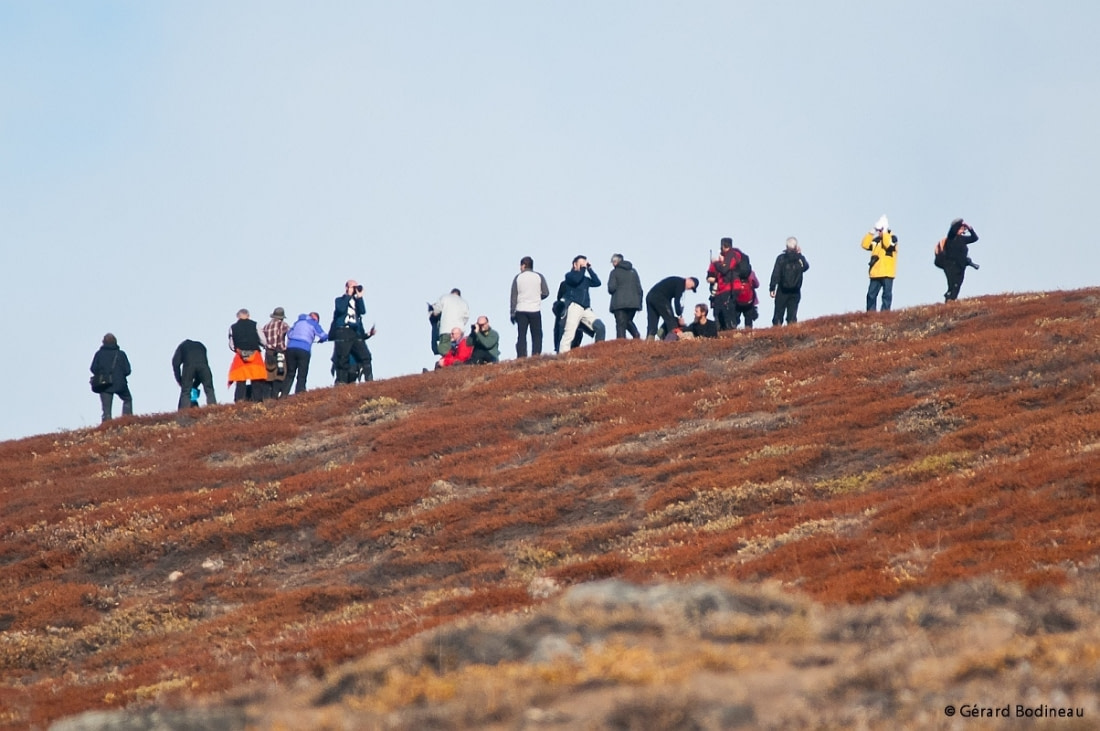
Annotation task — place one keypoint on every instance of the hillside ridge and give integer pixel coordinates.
(178, 557)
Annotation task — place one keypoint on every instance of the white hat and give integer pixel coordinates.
(882, 223)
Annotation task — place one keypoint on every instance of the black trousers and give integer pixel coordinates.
(725, 310)
(655, 312)
(297, 370)
(193, 375)
(786, 304)
(624, 323)
(529, 321)
(347, 345)
(955, 272)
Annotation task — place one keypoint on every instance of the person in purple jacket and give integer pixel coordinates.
(299, 342)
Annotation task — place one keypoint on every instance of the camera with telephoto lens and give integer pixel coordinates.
(359, 288)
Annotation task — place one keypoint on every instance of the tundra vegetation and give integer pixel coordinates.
(854, 520)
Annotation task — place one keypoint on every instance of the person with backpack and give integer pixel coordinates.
(786, 282)
(730, 265)
(110, 369)
(744, 300)
(883, 245)
(953, 256)
(300, 338)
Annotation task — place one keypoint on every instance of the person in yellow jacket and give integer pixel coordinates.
(883, 245)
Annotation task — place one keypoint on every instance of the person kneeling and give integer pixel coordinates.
(459, 351)
(485, 342)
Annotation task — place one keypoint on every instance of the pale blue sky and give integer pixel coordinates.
(165, 164)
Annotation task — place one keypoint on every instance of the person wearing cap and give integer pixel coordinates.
(663, 302)
(300, 338)
(529, 289)
(111, 361)
(247, 369)
(883, 245)
(786, 282)
(192, 369)
(625, 288)
(578, 302)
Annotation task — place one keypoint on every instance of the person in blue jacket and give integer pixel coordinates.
(578, 301)
(300, 338)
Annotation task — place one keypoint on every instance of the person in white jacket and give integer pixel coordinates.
(448, 312)
(529, 289)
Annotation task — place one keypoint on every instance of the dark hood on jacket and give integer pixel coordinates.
(624, 265)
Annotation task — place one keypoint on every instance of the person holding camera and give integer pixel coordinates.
(883, 245)
(578, 300)
(350, 355)
(485, 342)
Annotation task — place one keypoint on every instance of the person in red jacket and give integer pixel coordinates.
(459, 352)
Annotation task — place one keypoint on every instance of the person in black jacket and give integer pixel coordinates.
(663, 302)
(109, 360)
(626, 296)
(247, 370)
(955, 256)
(786, 282)
(351, 359)
(191, 368)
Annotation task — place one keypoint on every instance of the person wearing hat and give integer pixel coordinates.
(663, 302)
(786, 282)
(275, 357)
(111, 362)
(883, 245)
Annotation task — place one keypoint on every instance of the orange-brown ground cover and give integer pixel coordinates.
(850, 458)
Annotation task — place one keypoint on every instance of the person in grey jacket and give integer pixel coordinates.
(625, 288)
(529, 289)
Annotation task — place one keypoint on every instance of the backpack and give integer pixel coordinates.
(790, 273)
(940, 259)
(743, 293)
(741, 268)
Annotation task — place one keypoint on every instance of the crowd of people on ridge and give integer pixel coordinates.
(267, 361)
